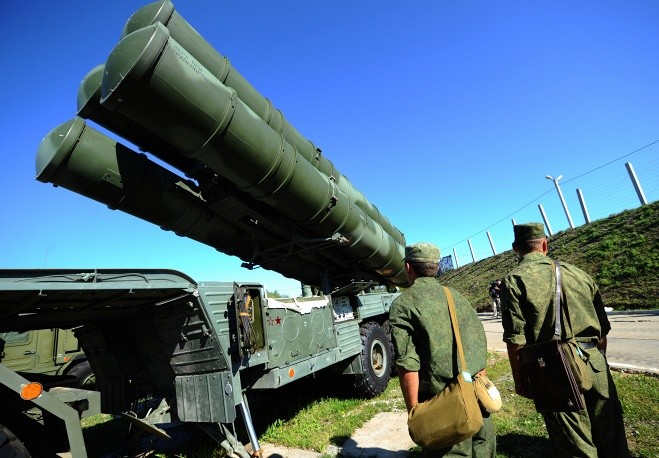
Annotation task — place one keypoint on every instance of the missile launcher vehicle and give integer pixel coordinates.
(237, 177)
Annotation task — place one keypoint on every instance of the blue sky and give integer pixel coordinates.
(446, 115)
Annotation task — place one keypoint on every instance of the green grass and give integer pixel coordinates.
(331, 420)
(621, 252)
(296, 416)
(640, 401)
(520, 429)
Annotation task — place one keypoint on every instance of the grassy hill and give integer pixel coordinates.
(621, 252)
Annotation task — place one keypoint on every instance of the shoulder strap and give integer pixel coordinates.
(456, 329)
(557, 301)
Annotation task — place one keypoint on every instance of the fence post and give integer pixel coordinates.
(637, 185)
(544, 218)
(584, 209)
(489, 237)
(471, 248)
(560, 196)
(455, 255)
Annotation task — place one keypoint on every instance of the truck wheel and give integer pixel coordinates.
(84, 375)
(376, 360)
(386, 327)
(11, 446)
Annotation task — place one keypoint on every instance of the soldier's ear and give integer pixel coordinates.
(545, 248)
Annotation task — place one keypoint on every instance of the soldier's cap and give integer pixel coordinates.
(424, 252)
(529, 232)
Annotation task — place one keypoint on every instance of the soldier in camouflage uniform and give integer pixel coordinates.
(527, 310)
(425, 352)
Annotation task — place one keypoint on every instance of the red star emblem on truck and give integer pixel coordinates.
(274, 321)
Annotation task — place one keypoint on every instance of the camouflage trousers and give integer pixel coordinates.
(598, 431)
(482, 445)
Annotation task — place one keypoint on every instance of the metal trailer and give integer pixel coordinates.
(194, 348)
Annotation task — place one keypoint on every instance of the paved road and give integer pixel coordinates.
(633, 343)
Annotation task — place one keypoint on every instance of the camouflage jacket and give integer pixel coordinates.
(527, 303)
(423, 337)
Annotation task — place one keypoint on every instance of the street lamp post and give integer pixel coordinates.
(560, 195)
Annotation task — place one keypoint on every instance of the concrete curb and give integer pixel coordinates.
(632, 369)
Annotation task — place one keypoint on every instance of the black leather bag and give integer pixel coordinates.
(547, 369)
(549, 378)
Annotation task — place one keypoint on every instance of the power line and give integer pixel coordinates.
(611, 162)
(505, 217)
(550, 190)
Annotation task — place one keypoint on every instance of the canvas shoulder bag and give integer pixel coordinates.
(453, 415)
(547, 368)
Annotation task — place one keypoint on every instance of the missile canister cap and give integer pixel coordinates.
(56, 146)
(150, 14)
(133, 56)
(89, 91)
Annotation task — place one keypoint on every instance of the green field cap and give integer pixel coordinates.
(528, 232)
(422, 252)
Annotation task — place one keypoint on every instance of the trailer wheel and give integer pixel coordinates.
(11, 446)
(376, 360)
(84, 375)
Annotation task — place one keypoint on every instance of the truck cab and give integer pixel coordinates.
(46, 351)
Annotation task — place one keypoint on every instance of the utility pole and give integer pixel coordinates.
(560, 195)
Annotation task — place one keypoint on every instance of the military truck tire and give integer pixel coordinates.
(11, 446)
(386, 327)
(84, 375)
(376, 360)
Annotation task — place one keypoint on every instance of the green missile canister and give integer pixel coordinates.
(163, 12)
(154, 81)
(84, 160)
